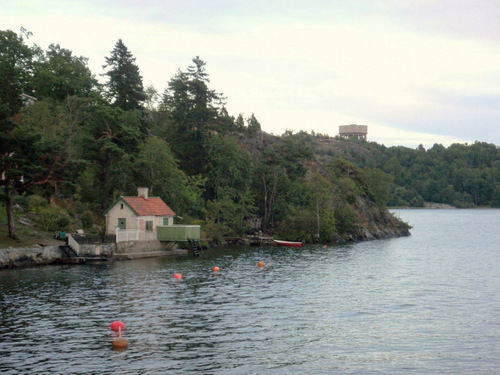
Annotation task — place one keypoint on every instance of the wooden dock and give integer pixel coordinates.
(260, 240)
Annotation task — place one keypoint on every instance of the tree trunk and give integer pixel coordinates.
(269, 198)
(9, 205)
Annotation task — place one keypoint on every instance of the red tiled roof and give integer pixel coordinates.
(149, 207)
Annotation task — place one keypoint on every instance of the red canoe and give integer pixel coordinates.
(288, 243)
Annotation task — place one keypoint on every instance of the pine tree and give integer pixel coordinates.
(196, 113)
(124, 86)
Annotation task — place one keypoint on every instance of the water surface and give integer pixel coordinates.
(428, 303)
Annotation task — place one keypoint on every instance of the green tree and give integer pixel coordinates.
(324, 203)
(124, 86)
(196, 112)
(270, 181)
(16, 68)
(17, 154)
(158, 169)
(240, 123)
(60, 74)
(110, 141)
(54, 129)
(379, 185)
(228, 169)
(253, 125)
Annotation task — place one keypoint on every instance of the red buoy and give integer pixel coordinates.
(117, 326)
(178, 276)
(216, 269)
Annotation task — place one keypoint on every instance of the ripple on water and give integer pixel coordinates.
(396, 306)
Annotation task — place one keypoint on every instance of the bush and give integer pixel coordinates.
(62, 223)
(299, 225)
(49, 217)
(87, 220)
(51, 220)
(22, 201)
(36, 203)
(346, 218)
(403, 197)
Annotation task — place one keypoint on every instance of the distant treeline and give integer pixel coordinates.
(67, 155)
(461, 175)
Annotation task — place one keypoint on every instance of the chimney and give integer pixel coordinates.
(142, 192)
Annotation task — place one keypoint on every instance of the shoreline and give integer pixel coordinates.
(23, 257)
(441, 206)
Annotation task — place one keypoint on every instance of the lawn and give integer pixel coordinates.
(27, 236)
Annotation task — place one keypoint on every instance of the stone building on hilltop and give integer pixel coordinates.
(353, 131)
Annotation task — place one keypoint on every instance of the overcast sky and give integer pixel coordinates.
(416, 72)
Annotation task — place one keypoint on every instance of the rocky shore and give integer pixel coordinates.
(52, 254)
(374, 223)
(29, 256)
(377, 223)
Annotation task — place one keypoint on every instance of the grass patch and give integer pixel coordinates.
(27, 236)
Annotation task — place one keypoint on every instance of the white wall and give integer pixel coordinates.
(134, 222)
(157, 221)
(117, 212)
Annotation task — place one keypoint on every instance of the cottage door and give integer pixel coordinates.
(122, 223)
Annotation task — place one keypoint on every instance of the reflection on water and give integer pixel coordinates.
(423, 304)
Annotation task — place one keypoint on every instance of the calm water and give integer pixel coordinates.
(425, 304)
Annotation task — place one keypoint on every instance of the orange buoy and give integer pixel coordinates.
(120, 343)
(261, 264)
(178, 276)
(117, 326)
(216, 269)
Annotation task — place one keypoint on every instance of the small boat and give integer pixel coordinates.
(288, 243)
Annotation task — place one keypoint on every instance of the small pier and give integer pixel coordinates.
(260, 240)
(73, 253)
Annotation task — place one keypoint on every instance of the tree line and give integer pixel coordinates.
(81, 144)
(461, 175)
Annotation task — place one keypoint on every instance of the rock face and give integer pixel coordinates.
(377, 223)
(29, 256)
(42, 255)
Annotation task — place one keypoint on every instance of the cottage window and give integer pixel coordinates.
(121, 206)
(165, 221)
(122, 223)
(149, 226)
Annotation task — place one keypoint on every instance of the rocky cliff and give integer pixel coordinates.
(377, 223)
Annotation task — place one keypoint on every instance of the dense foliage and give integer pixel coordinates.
(81, 145)
(460, 175)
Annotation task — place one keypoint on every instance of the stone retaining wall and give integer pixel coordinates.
(29, 256)
(38, 255)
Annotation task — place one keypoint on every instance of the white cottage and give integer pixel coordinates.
(138, 217)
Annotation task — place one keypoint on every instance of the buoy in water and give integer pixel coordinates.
(261, 264)
(117, 326)
(324, 246)
(178, 276)
(216, 269)
(120, 343)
